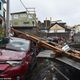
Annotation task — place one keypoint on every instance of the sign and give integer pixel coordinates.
(66, 48)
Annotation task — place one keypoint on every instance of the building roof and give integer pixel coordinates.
(23, 12)
(63, 25)
(60, 24)
(18, 12)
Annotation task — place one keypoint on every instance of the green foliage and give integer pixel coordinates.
(2, 35)
(2, 32)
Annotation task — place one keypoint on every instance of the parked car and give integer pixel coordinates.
(16, 59)
(53, 39)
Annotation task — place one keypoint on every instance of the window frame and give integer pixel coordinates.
(0, 5)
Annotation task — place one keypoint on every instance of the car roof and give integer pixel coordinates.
(18, 39)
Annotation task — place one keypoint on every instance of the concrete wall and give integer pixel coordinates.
(22, 19)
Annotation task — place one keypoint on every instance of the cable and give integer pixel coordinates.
(60, 73)
(26, 8)
(30, 15)
(23, 4)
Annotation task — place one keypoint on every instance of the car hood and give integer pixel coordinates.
(11, 55)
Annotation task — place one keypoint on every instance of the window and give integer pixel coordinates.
(15, 23)
(0, 5)
(15, 16)
(25, 22)
(33, 23)
(29, 16)
(23, 15)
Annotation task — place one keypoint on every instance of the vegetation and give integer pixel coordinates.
(2, 32)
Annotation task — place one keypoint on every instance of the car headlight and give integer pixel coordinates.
(14, 63)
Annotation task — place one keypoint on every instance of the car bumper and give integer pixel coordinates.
(11, 73)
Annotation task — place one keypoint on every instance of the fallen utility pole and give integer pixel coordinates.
(75, 55)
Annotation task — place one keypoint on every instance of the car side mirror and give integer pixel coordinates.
(4, 41)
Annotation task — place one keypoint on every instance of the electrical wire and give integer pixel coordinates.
(26, 9)
(28, 13)
(23, 4)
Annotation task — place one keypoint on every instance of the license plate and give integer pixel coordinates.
(5, 78)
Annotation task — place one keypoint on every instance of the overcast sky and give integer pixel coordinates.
(66, 10)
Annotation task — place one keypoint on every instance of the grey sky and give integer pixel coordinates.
(66, 10)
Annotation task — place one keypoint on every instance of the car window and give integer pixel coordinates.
(18, 44)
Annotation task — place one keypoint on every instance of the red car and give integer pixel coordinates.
(15, 59)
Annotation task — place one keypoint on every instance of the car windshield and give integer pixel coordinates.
(18, 44)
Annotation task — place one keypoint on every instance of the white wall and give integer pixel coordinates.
(1, 11)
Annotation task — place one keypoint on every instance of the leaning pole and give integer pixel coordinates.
(7, 19)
